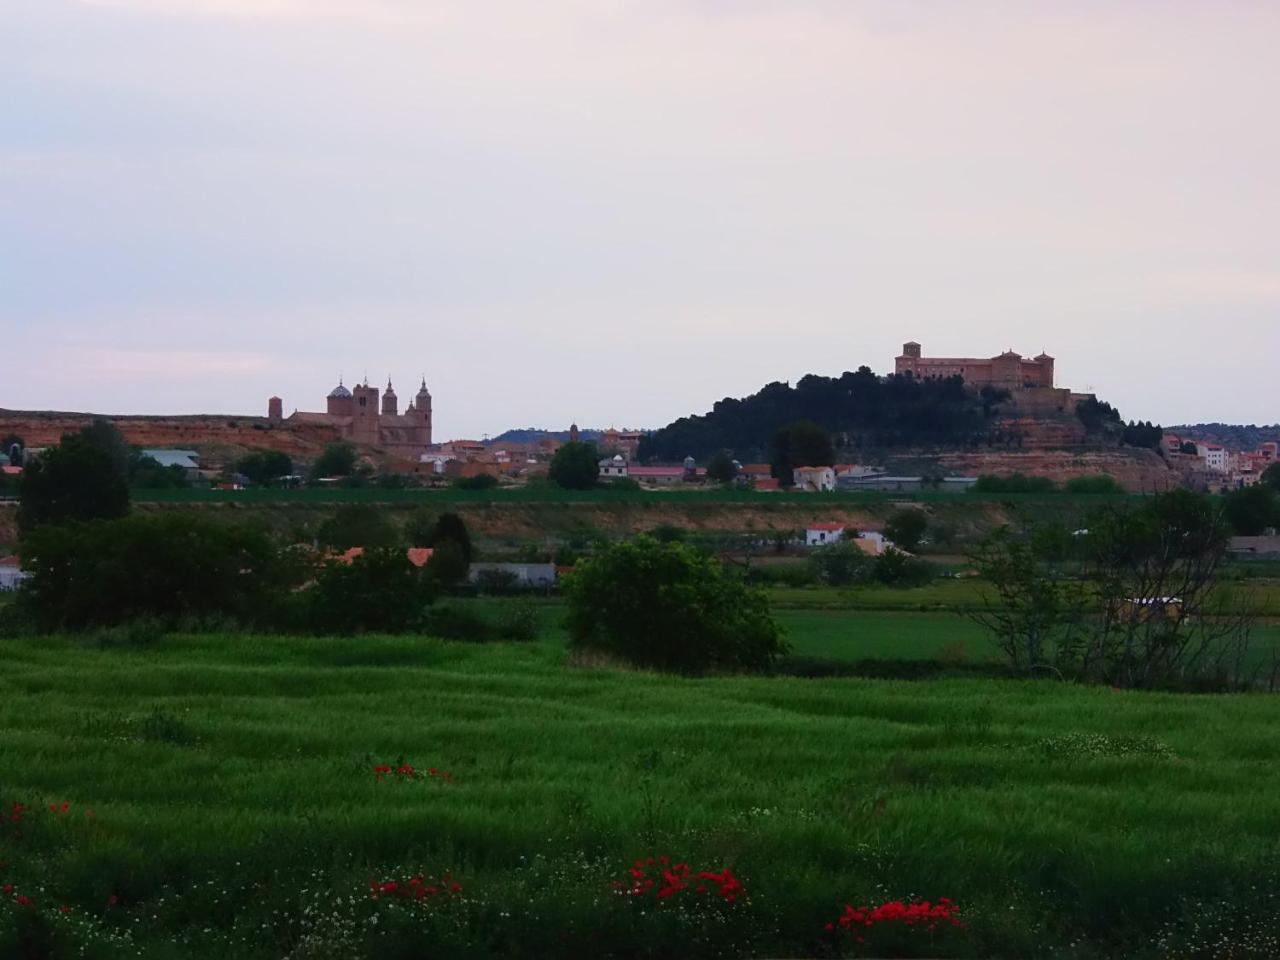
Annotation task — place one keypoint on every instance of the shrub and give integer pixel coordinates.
(842, 564)
(497, 582)
(1096, 483)
(1013, 483)
(379, 591)
(453, 621)
(109, 572)
(481, 481)
(519, 621)
(85, 477)
(669, 607)
(896, 569)
(906, 527)
(357, 525)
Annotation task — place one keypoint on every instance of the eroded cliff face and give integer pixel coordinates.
(214, 436)
(1139, 471)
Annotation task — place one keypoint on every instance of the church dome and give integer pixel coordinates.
(340, 392)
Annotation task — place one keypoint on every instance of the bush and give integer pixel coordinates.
(481, 481)
(453, 621)
(496, 582)
(1097, 483)
(380, 591)
(357, 525)
(906, 528)
(519, 621)
(896, 569)
(1013, 483)
(171, 568)
(842, 564)
(669, 607)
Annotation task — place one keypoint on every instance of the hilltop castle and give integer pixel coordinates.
(355, 415)
(1009, 371)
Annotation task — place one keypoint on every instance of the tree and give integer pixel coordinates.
(357, 525)
(1188, 448)
(721, 468)
(450, 540)
(146, 473)
(448, 563)
(79, 479)
(799, 444)
(1147, 605)
(1095, 414)
(669, 607)
(575, 466)
(1032, 609)
(1251, 510)
(1271, 476)
(420, 528)
(338, 460)
(264, 466)
(906, 527)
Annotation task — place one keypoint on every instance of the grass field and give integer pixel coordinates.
(236, 812)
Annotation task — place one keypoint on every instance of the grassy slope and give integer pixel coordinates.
(816, 792)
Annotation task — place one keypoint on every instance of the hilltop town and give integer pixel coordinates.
(1034, 427)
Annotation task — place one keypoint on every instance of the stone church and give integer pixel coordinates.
(355, 414)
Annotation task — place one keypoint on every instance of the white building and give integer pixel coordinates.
(613, 468)
(814, 479)
(11, 574)
(1214, 456)
(822, 534)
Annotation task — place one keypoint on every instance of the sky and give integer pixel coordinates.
(619, 211)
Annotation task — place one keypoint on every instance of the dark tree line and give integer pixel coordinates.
(859, 408)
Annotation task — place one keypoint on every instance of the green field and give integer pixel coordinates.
(235, 811)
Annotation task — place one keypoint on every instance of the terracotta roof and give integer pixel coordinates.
(656, 471)
(10, 562)
(418, 556)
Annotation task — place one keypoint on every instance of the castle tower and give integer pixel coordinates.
(573, 433)
(1046, 369)
(340, 404)
(390, 402)
(275, 409)
(911, 349)
(364, 425)
(422, 411)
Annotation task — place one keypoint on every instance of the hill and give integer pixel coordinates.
(1233, 436)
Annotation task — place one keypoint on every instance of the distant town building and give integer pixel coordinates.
(822, 534)
(355, 415)
(613, 468)
(1009, 370)
(12, 575)
(814, 479)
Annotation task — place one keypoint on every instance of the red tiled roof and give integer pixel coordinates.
(655, 471)
(418, 556)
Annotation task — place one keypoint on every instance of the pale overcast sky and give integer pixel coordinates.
(620, 211)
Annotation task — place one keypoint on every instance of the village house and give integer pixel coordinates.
(12, 575)
(814, 479)
(657, 476)
(823, 534)
(613, 468)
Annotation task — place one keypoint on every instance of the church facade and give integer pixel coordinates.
(363, 416)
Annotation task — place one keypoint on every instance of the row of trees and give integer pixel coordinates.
(1136, 600)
